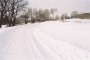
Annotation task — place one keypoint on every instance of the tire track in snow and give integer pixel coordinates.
(31, 43)
(73, 52)
(40, 50)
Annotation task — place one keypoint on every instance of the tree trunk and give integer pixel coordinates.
(10, 23)
(1, 19)
(14, 22)
(25, 21)
(0, 24)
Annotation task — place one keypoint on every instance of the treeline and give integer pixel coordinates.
(9, 10)
(14, 12)
(38, 15)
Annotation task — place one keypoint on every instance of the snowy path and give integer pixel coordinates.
(31, 43)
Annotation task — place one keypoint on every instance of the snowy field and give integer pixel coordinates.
(51, 40)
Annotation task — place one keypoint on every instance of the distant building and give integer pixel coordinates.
(83, 15)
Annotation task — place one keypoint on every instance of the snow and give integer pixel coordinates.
(52, 40)
(79, 20)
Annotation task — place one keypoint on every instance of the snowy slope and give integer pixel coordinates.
(46, 41)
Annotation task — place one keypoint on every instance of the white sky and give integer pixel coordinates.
(63, 6)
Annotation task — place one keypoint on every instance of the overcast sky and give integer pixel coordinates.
(63, 6)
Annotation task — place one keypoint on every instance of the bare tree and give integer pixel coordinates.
(3, 4)
(57, 17)
(33, 13)
(25, 17)
(26, 14)
(9, 9)
(16, 6)
(73, 14)
(42, 14)
(52, 11)
(64, 16)
(46, 13)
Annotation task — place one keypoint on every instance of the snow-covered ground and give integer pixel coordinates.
(52, 40)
